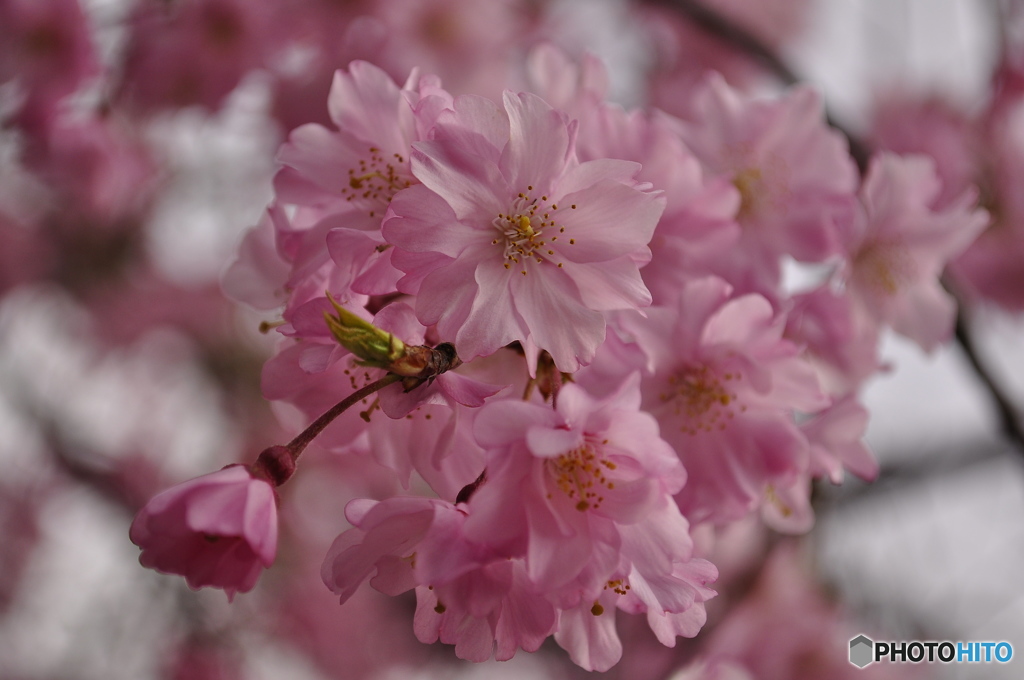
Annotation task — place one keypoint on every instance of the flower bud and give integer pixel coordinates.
(373, 346)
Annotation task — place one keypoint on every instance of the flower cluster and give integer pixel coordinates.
(563, 367)
(583, 342)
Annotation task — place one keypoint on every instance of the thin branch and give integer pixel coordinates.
(897, 476)
(1009, 419)
(302, 440)
(743, 40)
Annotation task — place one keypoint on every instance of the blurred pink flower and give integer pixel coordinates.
(795, 177)
(217, 530)
(103, 174)
(990, 267)
(841, 344)
(901, 244)
(906, 124)
(786, 628)
(46, 47)
(193, 51)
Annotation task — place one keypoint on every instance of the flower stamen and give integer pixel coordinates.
(577, 472)
(522, 232)
(701, 398)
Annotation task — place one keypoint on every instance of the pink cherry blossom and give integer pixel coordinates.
(490, 611)
(697, 225)
(840, 342)
(359, 166)
(343, 180)
(795, 177)
(46, 47)
(468, 595)
(725, 385)
(990, 268)
(583, 494)
(510, 238)
(657, 576)
(258, 275)
(565, 484)
(901, 244)
(217, 530)
(195, 52)
(985, 149)
(905, 124)
(836, 438)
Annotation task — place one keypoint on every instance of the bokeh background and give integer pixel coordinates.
(123, 368)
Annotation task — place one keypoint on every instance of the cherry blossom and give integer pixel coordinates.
(510, 238)
(217, 530)
(794, 175)
(901, 244)
(725, 387)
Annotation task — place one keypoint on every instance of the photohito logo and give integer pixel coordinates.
(864, 650)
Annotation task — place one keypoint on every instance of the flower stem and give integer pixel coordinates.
(302, 440)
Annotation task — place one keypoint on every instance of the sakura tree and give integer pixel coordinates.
(543, 371)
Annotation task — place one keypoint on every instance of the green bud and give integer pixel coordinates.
(373, 346)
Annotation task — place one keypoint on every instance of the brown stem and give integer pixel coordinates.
(302, 440)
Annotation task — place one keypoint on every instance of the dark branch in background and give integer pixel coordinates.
(715, 24)
(927, 466)
(728, 32)
(1009, 419)
(746, 42)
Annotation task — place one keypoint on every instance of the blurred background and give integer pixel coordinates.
(137, 145)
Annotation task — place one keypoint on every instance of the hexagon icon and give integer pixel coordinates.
(861, 651)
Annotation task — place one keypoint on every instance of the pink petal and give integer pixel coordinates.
(538, 143)
(558, 322)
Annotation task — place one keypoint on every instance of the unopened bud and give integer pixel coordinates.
(373, 346)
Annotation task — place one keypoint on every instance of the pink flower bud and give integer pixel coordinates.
(217, 530)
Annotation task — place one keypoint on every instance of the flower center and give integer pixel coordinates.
(885, 267)
(763, 186)
(750, 184)
(377, 179)
(579, 474)
(701, 398)
(772, 497)
(522, 232)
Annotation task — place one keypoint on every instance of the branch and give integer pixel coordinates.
(1009, 419)
(897, 476)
